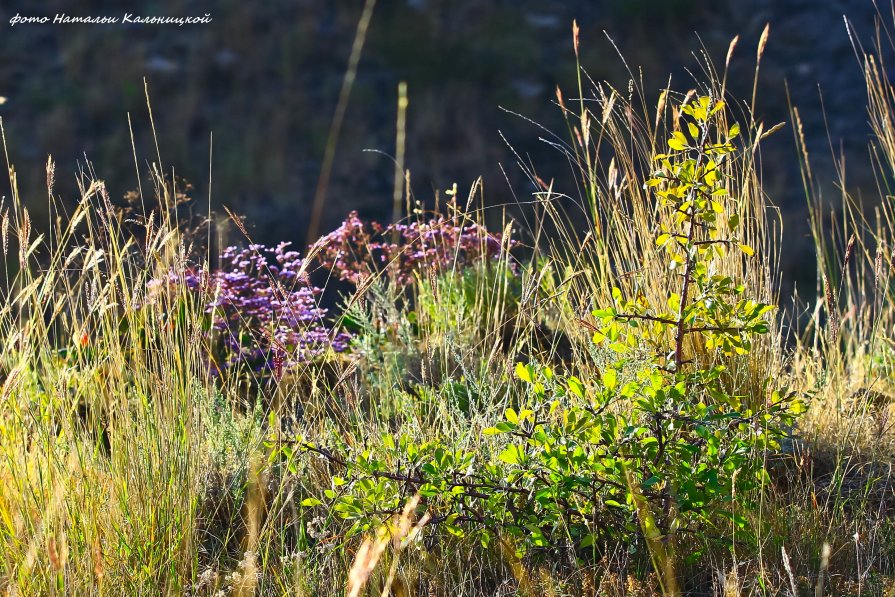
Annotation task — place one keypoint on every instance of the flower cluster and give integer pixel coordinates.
(191, 278)
(357, 249)
(263, 309)
(266, 310)
(348, 250)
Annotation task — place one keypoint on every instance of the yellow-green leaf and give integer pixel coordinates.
(694, 130)
(576, 387)
(523, 373)
(511, 455)
(610, 379)
(678, 141)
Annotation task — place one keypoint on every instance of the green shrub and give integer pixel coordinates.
(659, 445)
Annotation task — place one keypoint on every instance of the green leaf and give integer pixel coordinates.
(734, 131)
(610, 379)
(678, 141)
(512, 455)
(537, 536)
(428, 490)
(575, 386)
(674, 302)
(523, 373)
(310, 502)
(650, 482)
(797, 407)
(747, 250)
(694, 130)
(388, 440)
(455, 530)
(604, 313)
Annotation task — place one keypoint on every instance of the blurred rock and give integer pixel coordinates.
(159, 64)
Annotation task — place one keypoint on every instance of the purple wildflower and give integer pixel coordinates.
(264, 310)
(356, 249)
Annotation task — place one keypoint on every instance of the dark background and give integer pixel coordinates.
(264, 77)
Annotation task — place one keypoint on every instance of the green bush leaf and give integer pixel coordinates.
(523, 373)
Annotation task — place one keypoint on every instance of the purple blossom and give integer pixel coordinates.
(264, 310)
(357, 250)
